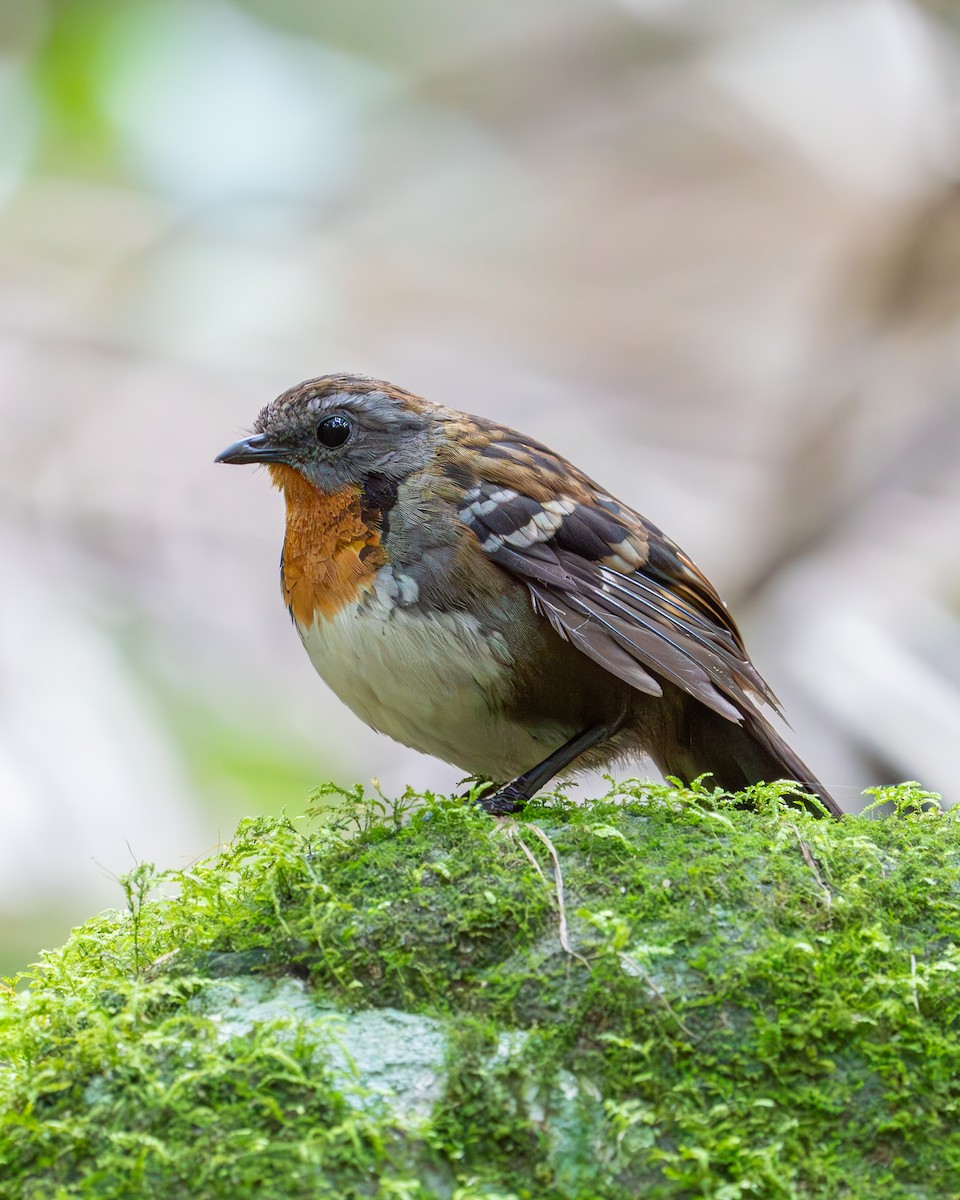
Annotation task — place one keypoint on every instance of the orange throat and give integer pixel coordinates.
(330, 555)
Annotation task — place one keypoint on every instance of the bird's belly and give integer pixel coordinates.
(431, 681)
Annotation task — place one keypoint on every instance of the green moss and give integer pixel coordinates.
(660, 994)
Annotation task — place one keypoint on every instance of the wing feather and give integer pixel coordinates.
(611, 583)
(592, 640)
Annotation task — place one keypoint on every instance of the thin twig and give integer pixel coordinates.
(812, 864)
(558, 882)
(632, 967)
(533, 862)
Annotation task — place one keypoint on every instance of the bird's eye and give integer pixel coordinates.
(333, 431)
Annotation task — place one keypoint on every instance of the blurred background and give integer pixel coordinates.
(708, 248)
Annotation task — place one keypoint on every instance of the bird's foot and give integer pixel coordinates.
(502, 801)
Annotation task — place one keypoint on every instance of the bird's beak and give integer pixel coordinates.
(256, 449)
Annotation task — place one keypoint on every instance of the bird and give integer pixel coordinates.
(470, 593)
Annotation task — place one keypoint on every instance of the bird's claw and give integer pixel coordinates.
(503, 801)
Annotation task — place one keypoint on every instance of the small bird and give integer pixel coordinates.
(467, 591)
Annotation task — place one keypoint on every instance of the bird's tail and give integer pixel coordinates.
(738, 755)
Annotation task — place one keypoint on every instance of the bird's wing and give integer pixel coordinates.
(605, 578)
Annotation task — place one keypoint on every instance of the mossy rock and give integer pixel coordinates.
(657, 995)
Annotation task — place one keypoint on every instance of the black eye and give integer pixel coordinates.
(333, 431)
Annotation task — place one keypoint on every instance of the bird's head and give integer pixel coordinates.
(339, 432)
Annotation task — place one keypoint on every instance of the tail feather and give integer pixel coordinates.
(738, 755)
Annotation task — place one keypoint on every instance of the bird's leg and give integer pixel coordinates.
(513, 796)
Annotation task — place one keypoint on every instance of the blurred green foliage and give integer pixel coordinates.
(77, 136)
(239, 766)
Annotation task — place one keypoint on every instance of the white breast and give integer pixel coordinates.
(428, 680)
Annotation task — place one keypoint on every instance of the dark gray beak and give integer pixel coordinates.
(256, 449)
